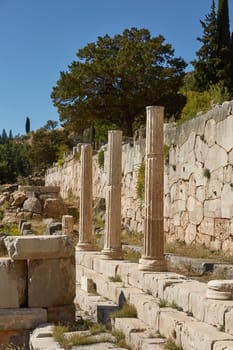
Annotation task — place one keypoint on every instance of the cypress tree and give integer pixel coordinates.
(206, 65)
(27, 125)
(224, 45)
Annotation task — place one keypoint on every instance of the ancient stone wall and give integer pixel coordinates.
(198, 180)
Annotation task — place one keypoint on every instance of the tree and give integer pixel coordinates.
(206, 65)
(27, 125)
(224, 44)
(213, 65)
(46, 145)
(115, 78)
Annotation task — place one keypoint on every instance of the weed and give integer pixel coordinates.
(132, 238)
(97, 328)
(166, 149)
(10, 229)
(131, 255)
(173, 305)
(100, 159)
(170, 345)
(120, 339)
(206, 173)
(116, 278)
(159, 335)
(195, 251)
(163, 303)
(190, 314)
(221, 328)
(59, 335)
(140, 187)
(127, 310)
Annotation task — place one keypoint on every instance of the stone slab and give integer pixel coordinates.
(64, 313)
(42, 339)
(39, 247)
(13, 283)
(51, 282)
(200, 336)
(22, 318)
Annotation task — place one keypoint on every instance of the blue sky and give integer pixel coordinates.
(39, 39)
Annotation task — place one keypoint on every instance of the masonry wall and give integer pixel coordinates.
(198, 186)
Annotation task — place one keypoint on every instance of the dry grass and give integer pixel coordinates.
(196, 251)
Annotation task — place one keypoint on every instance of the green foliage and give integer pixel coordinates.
(100, 159)
(170, 345)
(101, 131)
(203, 101)
(116, 278)
(10, 229)
(206, 173)
(127, 310)
(14, 161)
(140, 189)
(214, 63)
(166, 149)
(48, 146)
(120, 339)
(163, 303)
(131, 254)
(114, 79)
(27, 125)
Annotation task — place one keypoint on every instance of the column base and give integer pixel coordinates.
(111, 253)
(85, 247)
(146, 264)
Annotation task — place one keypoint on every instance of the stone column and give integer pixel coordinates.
(112, 241)
(153, 250)
(68, 225)
(85, 215)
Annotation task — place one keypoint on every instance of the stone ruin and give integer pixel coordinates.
(40, 271)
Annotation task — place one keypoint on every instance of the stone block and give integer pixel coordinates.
(32, 205)
(13, 285)
(216, 158)
(129, 325)
(64, 313)
(42, 338)
(171, 323)
(87, 284)
(223, 345)
(23, 318)
(54, 208)
(51, 282)
(39, 247)
(200, 336)
(229, 322)
(180, 293)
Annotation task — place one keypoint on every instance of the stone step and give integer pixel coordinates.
(184, 294)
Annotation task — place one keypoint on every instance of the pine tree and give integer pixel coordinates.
(206, 65)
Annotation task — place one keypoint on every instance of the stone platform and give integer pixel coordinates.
(166, 302)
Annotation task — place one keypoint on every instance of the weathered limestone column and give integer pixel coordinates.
(68, 225)
(112, 244)
(153, 257)
(85, 221)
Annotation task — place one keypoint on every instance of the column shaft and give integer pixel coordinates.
(85, 219)
(112, 242)
(153, 250)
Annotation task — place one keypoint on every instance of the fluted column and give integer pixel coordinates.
(153, 250)
(112, 241)
(85, 219)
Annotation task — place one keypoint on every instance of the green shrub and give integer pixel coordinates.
(101, 159)
(202, 101)
(140, 189)
(127, 310)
